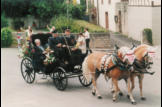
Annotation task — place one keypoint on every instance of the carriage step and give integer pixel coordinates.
(73, 75)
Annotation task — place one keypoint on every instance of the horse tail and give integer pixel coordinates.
(86, 70)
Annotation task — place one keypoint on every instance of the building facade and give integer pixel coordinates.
(141, 15)
(129, 17)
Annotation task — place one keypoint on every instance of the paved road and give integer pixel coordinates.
(42, 93)
(122, 40)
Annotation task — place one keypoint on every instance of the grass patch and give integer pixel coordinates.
(92, 28)
(116, 33)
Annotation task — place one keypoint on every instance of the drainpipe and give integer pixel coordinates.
(98, 13)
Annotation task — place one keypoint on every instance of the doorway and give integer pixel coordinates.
(107, 20)
(120, 22)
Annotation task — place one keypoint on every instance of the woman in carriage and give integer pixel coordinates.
(81, 44)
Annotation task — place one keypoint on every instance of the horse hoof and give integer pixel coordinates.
(143, 98)
(99, 97)
(93, 93)
(114, 100)
(112, 91)
(128, 96)
(120, 94)
(134, 103)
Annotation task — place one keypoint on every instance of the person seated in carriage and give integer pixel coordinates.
(75, 48)
(55, 43)
(81, 44)
(38, 55)
(69, 40)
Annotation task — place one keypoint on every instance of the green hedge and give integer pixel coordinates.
(6, 37)
(61, 23)
(4, 21)
(148, 33)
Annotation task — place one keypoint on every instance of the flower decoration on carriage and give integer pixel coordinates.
(49, 56)
(26, 50)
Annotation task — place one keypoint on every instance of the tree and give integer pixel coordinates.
(4, 21)
(15, 8)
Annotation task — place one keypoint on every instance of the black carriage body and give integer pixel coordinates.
(43, 37)
(73, 59)
(60, 70)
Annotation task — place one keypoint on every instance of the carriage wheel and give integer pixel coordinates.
(59, 78)
(84, 82)
(27, 70)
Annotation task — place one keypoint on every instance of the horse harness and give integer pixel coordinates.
(116, 61)
(141, 65)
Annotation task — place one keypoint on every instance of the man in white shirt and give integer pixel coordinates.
(87, 39)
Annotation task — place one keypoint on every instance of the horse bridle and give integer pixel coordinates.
(120, 63)
(142, 65)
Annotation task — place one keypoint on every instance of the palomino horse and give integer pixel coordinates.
(110, 65)
(144, 58)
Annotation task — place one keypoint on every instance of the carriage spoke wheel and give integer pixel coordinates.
(27, 70)
(84, 82)
(59, 78)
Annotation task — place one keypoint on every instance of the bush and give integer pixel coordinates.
(75, 9)
(4, 21)
(6, 37)
(17, 24)
(148, 33)
(76, 26)
(61, 23)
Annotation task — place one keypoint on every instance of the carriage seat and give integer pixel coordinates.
(43, 37)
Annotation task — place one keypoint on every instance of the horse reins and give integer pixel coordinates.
(141, 64)
(117, 63)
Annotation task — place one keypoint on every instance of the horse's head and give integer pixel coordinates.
(127, 56)
(133, 46)
(148, 57)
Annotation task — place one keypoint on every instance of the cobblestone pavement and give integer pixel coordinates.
(42, 93)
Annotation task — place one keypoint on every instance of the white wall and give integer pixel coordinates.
(156, 25)
(138, 19)
(124, 17)
(110, 8)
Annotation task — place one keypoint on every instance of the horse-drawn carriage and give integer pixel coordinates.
(58, 69)
(123, 63)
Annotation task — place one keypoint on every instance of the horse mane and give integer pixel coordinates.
(122, 51)
(141, 51)
(140, 47)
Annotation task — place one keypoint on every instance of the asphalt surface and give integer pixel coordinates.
(42, 93)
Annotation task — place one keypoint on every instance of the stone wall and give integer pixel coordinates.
(101, 40)
(97, 40)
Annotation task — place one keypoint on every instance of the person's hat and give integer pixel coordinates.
(55, 31)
